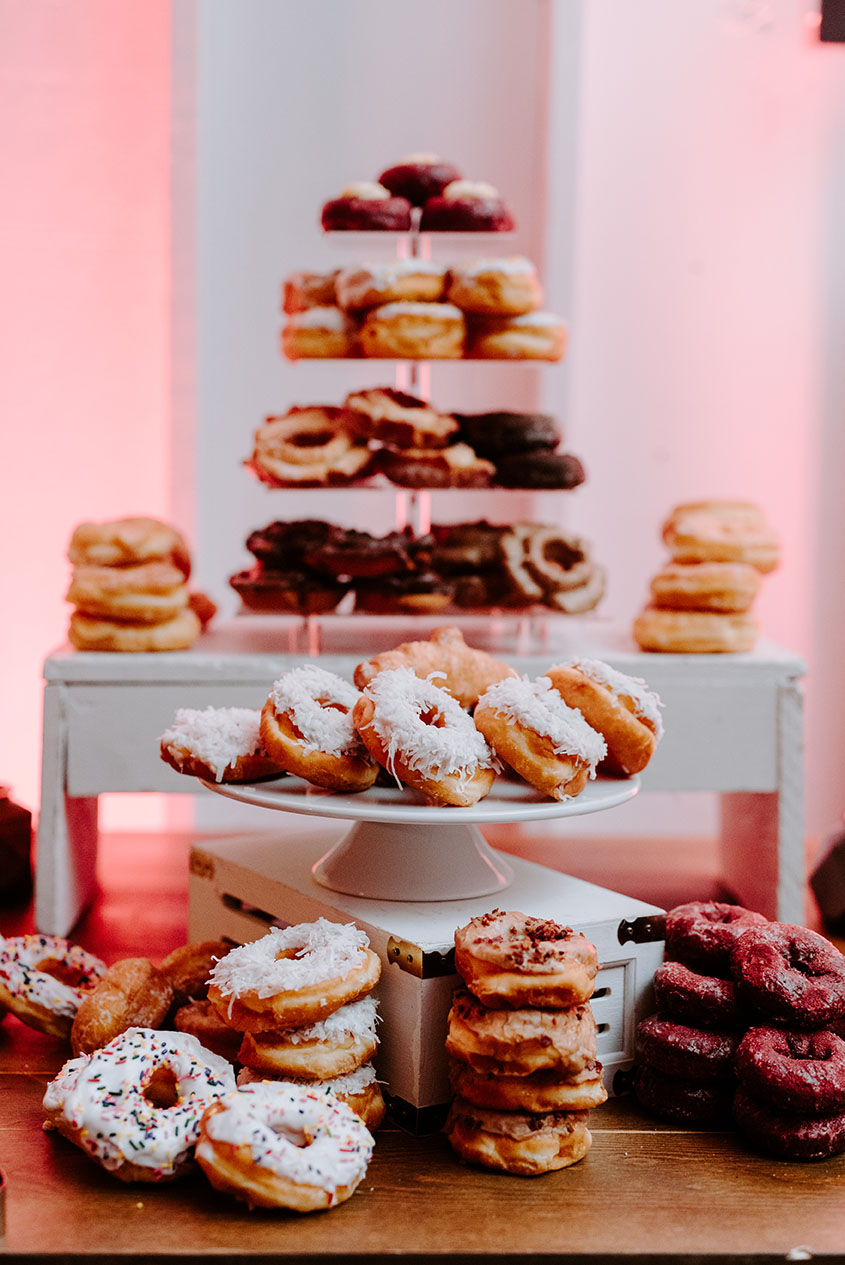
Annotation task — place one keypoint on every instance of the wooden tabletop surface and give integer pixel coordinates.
(645, 1190)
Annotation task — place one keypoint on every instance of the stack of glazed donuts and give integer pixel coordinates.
(129, 588)
(701, 600)
(522, 1044)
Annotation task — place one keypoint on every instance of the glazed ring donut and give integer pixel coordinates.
(714, 533)
(712, 586)
(791, 975)
(495, 287)
(395, 417)
(701, 934)
(199, 1019)
(309, 447)
(533, 336)
(262, 589)
(802, 1072)
(333, 1046)
(466, 206)
(620, 707)
(555, 559)
(695, 1054)
(517, 1142)
(497, 435)
(702, 1001)
(585, 597)
(786, 1135)
(187, 968)
(307, 727)
(541, 1091)
(365, 207)
(278, 1145)
(371, 285)
(681, 1101)
(456, 466)
(89, 632)
(218, 744)
(509, 959)
(694, 632)
(320, 333)
(146, 592)
(134, 1107)
(462, 670)
(548, 744)
(521, 1042)
(302, 290)
(294, 976)
(424, 738)
(419, 177)
(414, 331)
(131, 994)
(540, 469)
(127, 541)
(45, 979)
(359, 1090)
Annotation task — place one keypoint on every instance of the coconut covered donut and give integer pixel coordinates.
(218, 744)
(359, 1090)
(517, 1142)
(278, 1145)
(45, 979)
(134, 1107)
(333, 1046)
(294, 976)
(620, 707)
(307, 727)
(546, 742)
(424, 738)
(510, 959)
(461, 669)
(521, 1042)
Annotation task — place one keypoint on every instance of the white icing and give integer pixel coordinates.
(513, 265)
(331, 318)
(368, 190)
(536, 318)
(102, 1096)
(20, 957)
(219, 736)
(538, 706)
(320, 951)
(441, 311)
(385, 274)
(356, 1019)
(469, 189)
(646, 703)
(301, 693)
(352, 1083)
(304, 1135)
(420, 160)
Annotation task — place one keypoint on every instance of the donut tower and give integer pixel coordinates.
(522, 1045)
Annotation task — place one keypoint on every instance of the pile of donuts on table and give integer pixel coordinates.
(437, 717)
(150, 1091)
(310, 567)
(748, 1023)
(522, 1044)
(382, 433)
(702, 599)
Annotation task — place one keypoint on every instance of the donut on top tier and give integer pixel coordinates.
(419, 177)
(366, 206)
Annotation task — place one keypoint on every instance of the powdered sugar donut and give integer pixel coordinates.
(307, 727)
(45, 979)
(293, 976)
(218, 744)
(279, 1145)
(510, 959)
(620, 707)
(135, 1105)
(423, 737)
(531, 728)
(359, 1090)
(334, 1046)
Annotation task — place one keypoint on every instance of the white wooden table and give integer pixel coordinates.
(733, 725)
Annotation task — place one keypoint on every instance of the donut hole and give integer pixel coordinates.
(162, 1089)
(432, 716)
(64, 972)
(311, 438)
(560, 554)
(331, 705)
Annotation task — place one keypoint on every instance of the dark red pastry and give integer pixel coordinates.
(501, 434)
(539, 469)
(792, 1071)
(679, 1050)
(420, 592)
(681, 1101)
(700, 1000)
(790, 975)
(789, 1137)
(701, 934)
(282, 546)
(466, 207)
(286, 592)
(419, 177)
(366, 207)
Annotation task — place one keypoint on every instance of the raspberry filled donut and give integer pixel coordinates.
(131, 994)
(134, 1107)
(702, 1001)
(310, 447)
(333, 1046)
(694, 631)
(495, 287)
(701, 934)
(710, 586)
(509, 959)
(677, 1049)
(791, 1071)
(548, 744)
(403, 420)
(278, 1145)
(785, 1134)
(791, 975)
(419, 177)
(521, 1042)
(466, 206)
(517, 1142)
(371, 285)
(218, 744)
(308, 729)
(45, 979)
(539, 1092)
(366, 206)
(320, 333)
(533, 336)
(294, 976)
(461, 669)
(620, 707)
(424, 738)
(414, 331)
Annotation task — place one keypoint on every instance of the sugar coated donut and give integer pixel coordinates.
(461, 669)
(722, 531)
(424, 738)
(359, 1090)
(682, 1101)
(274, 1144)
(517, 1142)
(414, 331)
(218, 744)
(419, 177)
(521, 1042)
(455, 466)
(620, 707)
(333, 1046)
(791, 1071)
(495, 287)
(319, 333)
(145, 592)
(677, 1049)
(509, 959)
(540, 1091)
(694, 631)
(45, 979)
(790, 975)
(466, 206)
(701, 934)
(366, 206)
(395, 417)
(310, 447)
(786, 1135)
(134, 1106)
(370, 285)
(307, 727)
(294, 976)
(532, 336)
(703, 1001)
(302, 290)
(548, 744)
(712, 586)
(131, 994)
(127, 541)
(93, 632)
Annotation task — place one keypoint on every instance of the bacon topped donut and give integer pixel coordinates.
(621, 708)
(511, 959)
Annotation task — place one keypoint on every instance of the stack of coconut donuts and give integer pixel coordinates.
(522, 1041)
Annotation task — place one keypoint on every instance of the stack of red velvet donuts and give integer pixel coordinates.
(746, 1012)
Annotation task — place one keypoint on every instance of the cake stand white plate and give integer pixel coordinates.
(402, 848)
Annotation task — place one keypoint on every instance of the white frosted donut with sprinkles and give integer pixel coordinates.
(274, 1144)
(306, 726)
(532, 729)
(218, 744)
(620, 707)
(331, 1047)
(44, 980)
(423, 737)
(293, 976)
(360, 1090)
(135, 1105)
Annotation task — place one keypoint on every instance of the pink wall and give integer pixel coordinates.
(84, 314)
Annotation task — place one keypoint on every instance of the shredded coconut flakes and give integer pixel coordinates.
(321, 951)
(538, 706)
(218, 736)
(323, 728)
(646, 703)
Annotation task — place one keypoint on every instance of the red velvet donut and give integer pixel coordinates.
(678, 1050)
(790, 1137)
(791, 975)
(702, 934)
(682, 1101)
(352, 214)
(802, 1072)
(419, 177)
(700, 1000)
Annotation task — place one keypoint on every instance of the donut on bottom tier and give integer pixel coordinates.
(788, 1136)
(517, 1142)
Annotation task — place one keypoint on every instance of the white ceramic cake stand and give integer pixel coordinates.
(402, 848)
